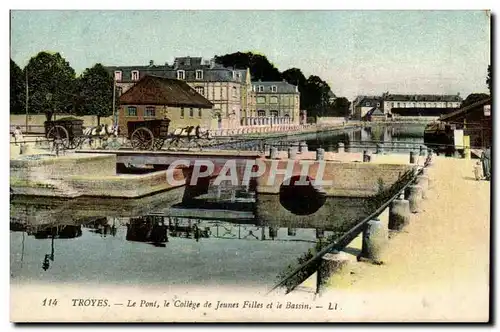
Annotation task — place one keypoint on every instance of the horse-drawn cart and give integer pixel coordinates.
(67, 132)
(148, 134)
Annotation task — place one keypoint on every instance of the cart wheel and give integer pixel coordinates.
(74, 143)
(58, 135)
(142, 139)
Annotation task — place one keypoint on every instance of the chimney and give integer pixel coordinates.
(176, 63)
(151, 63)
(212, 63)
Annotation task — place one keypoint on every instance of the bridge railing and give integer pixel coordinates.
(385, 198)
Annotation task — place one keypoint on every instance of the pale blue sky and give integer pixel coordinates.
(356, 52)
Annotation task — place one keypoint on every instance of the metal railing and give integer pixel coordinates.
(341, 242)
(30, 129)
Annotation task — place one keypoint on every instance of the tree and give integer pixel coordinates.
(316, 99)
(294, 76)
(313, 90)
(95, 91)
(260, 67)
(488, 78)
(340, 107)
(474, 97)
(17, 89)
(50, 83)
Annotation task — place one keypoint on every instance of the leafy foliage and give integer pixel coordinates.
(340, 107)
(51, 84)
(313, 90)
(260, 67)
(95, 92)
(474, 97)
(17, 89)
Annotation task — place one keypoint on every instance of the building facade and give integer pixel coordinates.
(396, 105)
(229, 90)
(400, 105)
(154, 97)
(363, 104)
(274, 103)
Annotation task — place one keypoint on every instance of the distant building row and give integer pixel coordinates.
(399, 105)
(236, 99)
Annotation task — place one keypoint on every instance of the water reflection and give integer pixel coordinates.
(217, 238)
(397, 139)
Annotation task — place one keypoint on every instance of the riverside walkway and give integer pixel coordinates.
(437, 269)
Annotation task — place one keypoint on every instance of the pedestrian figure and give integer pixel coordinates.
(477, 171)
(18, 135)
(486, 161)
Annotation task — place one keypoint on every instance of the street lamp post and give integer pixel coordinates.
(48, 97)
(114, 101)
(27, 99)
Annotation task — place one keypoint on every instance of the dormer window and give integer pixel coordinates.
(199, 74)
(367, 104)
(261, 88)
(135, 75)
(274, 88)
(118, 75)
(181, 75)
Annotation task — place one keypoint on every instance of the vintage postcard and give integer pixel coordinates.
(250, 166)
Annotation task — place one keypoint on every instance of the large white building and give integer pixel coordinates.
(400, 105)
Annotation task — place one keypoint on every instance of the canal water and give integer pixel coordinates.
(396, 138)
(217, 238)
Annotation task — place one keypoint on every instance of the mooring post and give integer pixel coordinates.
(341, 148)
(303, 147)
(366, 156)
(423, 181)
(375, 238)
(320, 154)
(274, 152)
(415, 198)
(399, 214)
(422, 150)
(331, 263)
(412, 157)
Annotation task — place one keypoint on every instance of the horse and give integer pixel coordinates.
(101, 132)
(189, 132)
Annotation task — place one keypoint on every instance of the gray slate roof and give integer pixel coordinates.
(211, 73)
(281, 87)
(375, 111)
